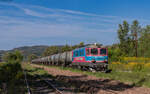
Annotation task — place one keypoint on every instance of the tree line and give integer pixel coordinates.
(55, 49)
(133, 41)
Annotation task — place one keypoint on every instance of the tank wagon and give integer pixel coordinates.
(93, 57)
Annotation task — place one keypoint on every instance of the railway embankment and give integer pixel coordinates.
(100, 83)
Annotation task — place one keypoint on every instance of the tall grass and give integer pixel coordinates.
(131, 64)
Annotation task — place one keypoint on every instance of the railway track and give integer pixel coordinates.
(44, 86)
(26, 81)
(53, 85)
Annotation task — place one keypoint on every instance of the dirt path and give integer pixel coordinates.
(94, 85)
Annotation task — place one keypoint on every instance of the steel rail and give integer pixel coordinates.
(55, 88)
(26, 81)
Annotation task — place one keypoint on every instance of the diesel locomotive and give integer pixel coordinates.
(92, 57)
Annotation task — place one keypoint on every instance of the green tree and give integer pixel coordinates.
(81, 44)
(31, 57)
(135, 31)
(114, 54)
(124, 38)
(13, 56)
(18, 55)
(66, 48)
(51, 50)
(144, 44)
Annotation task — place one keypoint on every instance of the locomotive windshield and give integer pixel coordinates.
(94, 51)
(103, 51)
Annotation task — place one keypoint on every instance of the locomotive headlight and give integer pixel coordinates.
(93, 60)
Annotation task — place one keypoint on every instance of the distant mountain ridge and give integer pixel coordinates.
(27, 50)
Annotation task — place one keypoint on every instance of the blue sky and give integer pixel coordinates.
(57, 22)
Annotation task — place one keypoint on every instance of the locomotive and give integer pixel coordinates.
(91, 57)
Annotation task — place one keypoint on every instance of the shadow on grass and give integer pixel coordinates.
(93, 86)
(38, 86)
(73, 84)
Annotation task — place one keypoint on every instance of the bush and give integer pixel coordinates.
(11, 71)
(13, 56)
(114, 54)
(8, 71)
(10, 74)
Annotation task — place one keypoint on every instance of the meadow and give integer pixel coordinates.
(130, 70)
(131, 64)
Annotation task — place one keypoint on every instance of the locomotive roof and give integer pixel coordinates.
(91, 46)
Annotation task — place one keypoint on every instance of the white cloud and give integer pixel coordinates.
(36, 24)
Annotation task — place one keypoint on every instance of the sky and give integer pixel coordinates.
(60, 22)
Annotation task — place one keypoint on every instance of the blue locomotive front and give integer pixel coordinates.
(91, 57)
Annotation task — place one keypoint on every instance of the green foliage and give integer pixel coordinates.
(144, 44)
(124, 38)
(81, 44)
(114, 54)
(27, 50)
(51, 50)
(10, 74)
(13, 56)
(11, 71)
(138, 67)
(34, 71)
(135, 31)
(31, 57)
(132, 39)
(66, 48)
(60, 49)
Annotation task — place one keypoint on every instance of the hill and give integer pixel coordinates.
(27, 50)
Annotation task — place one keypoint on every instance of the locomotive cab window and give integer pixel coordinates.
(76, 53)
(80, 52)
(103, 51)
(94, 51)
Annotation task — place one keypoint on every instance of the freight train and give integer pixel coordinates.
(92, 57)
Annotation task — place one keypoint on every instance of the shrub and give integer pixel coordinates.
(13, 56)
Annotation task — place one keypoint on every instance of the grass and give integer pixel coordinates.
(137, 78)
(33, 71)
(34, 77)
